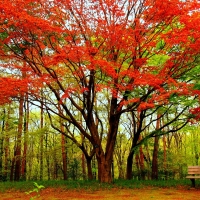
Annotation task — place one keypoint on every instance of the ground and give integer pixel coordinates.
(147, 193)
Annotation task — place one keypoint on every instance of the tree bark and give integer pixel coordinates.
(129, 166)
(64, 155)
(1, 144)
(17, 172)
(105, 166)
(105, 160)
(89, 167)
(165, 157)
(141, 161)
(41, 137)
(154, 174)
(83, 166)
(26, 123)
(6, 144)
(47, 156)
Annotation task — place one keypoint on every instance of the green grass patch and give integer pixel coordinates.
(94, 185)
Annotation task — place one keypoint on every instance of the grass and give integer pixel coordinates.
(94, 185)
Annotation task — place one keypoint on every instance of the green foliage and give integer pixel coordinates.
(36, 189)
(95, 185)
(3, 35)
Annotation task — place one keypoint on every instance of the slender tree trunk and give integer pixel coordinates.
(41, 139)
(1, 144)
(129, 165)
(64, 155)
(141, 161)
(83, 160)
(17, 172)
(26, 123)
(94, 172)
(148, 160)
(165, 157)
(154, 174)
(47, 156)
(6, 146)
(83, 166)
(12, 168)
(137, 126)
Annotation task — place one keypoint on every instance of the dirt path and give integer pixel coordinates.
(113, 194)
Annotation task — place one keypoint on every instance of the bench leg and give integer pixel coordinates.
(193, 182)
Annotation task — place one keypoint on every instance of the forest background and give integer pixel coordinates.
(99, 89)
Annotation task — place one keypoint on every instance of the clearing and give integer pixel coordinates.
(147, 193)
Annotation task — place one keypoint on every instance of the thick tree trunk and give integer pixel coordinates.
(89, 167)
(129, 166)
(105, 169)
(105, 160)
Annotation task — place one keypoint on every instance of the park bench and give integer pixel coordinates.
(193, 173)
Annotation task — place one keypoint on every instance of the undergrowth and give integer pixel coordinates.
(95, 185)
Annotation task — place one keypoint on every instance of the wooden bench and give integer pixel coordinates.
(193, 173)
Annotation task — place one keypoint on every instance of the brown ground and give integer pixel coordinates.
(113, 194)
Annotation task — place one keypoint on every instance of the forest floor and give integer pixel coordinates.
(147, 193)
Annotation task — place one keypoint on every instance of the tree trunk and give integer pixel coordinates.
(12, 169)
(47, 156)
(105, 160)
(141, 161)
(137, 127)
(1, 145)
(41, 138)
(26, 123)
(64, 155)
(6, 143)
(129, 166)
(89, 167)
(17, 172)
(105, 169)
(121, 170)
(154, 174)
(165, 157)
(83, 166)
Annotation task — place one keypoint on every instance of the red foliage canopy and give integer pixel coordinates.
(105, 44)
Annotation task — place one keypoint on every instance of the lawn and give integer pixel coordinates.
(135, 190)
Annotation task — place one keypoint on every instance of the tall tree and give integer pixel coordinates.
(103, 48)
(25, 144)
(154, 174)
(2, 132)
(17, 154)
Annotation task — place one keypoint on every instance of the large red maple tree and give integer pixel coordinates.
(96, 54)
